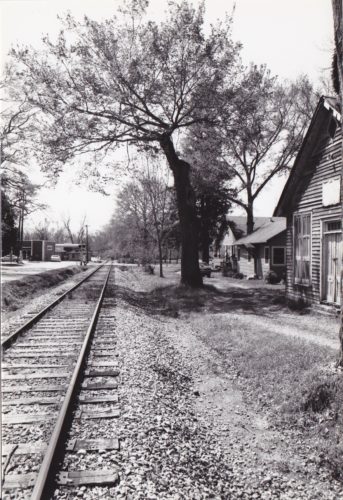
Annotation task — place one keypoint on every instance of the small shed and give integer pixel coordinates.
(311, 202)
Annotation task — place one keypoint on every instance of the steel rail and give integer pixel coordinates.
(44, 479)
(7, 342)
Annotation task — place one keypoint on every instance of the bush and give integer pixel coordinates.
(238, 276)
(297, 304)
(272, 278)
(149, 269)
(319, 397)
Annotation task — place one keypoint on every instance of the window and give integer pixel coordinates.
(238, 253)
(302, 248)
(333, 226)
(266, 255)
(249, 256)
(279, 256)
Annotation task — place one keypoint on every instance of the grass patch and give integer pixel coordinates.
(294, 381)
(15, 294)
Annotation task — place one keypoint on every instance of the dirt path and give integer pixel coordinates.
(281, 325)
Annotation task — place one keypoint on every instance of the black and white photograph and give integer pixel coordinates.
(171, 249)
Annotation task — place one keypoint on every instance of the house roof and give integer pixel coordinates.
(238, 224)
(272, 227)
(327, 106)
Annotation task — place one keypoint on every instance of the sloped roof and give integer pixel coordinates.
(272, 227)
(238, 224)
(307, 149)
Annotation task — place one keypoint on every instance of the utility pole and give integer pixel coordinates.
(86, 243)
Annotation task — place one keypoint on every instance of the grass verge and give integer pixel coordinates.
(293, 381)
(16, 293)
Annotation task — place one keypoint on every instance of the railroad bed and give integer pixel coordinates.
(60, 400)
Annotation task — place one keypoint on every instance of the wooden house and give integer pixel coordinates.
(259, 252)
(263, 250)
(311, 202)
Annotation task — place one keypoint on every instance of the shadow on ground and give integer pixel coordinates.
(174, 299)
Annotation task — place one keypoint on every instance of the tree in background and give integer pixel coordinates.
(74, 236)
(8, 229)
(211, 180)
(261, 131)
(338, 84)
(161, 205)
(131, 82)
(19, 192)
(145, 215)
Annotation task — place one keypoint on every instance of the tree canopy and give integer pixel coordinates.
(132, 81)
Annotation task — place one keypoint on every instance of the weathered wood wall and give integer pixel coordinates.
(326, 165)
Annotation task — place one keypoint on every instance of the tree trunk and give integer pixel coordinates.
(338, 30)
(190, 272)
(204, 232)
(160, 256)
(250, 216)
(205, 243)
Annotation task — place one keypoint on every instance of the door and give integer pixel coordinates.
(332, 260)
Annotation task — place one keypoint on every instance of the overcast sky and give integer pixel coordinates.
(292, 37)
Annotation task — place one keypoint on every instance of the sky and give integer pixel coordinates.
(292, 37)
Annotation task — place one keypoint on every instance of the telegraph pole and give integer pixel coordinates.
(86, 243)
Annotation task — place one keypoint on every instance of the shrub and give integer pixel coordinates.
(297, 304)
(272, 278)
(238, 276)
(319, 397)
(149, 269)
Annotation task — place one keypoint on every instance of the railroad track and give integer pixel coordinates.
(59, 380)
(23, 323)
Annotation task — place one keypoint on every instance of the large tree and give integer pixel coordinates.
(135, 82)
(211, 179)
(260, 133)
(338, 83)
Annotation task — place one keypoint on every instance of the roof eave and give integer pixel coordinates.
(279, 209)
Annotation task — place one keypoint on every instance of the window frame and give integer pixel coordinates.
(284, 256)
(302, 281)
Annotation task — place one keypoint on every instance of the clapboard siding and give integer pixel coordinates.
(245, 266)
(323, 166)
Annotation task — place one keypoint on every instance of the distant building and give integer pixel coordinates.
(263, 250)
(259, 252)
(311, 201)
(40, 250)
(71, 251)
